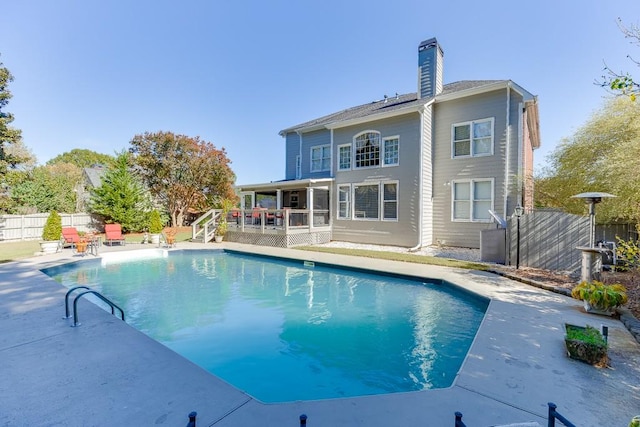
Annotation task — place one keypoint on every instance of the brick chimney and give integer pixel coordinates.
(429, 69)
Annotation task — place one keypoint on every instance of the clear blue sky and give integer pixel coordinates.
(92, 74)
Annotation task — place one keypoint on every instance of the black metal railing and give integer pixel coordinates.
(555, 415)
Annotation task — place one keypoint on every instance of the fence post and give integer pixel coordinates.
(459, 422)
(192, 419)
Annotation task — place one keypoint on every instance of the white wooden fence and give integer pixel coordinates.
(29, 227)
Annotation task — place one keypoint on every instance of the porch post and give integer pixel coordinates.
(278, 199)
(310, 206)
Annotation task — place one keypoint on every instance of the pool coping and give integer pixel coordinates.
(515, 365)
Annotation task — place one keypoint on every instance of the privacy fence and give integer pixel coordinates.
(548, 239)
(29, 227)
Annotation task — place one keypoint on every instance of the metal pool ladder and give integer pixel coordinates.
(75, 303)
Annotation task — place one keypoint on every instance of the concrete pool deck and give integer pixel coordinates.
(107, 373)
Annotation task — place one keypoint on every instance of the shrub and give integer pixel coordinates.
(628, 253)
(599, 295)
(155, 222)
(52, 228)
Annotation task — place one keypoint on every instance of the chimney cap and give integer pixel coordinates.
(432, 42)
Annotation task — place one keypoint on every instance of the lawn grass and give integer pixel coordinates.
(395, 256)
(11, 251)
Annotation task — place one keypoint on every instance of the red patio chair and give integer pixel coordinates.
(69, 237)
(113, 234)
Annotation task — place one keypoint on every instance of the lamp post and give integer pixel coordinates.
(518, 212)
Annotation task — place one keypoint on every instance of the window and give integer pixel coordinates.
(320, 158)
(391, 154)
(473, 138)
(390, 201)
(367, 148)
(344, 201)
(472, 200)
(366, 202)
(344, 157)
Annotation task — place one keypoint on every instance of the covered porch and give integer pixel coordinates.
(280, 214)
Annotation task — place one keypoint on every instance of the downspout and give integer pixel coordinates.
(521, 177)
(420, 194)
(332, 157)
(299, 154)
(507, 151)
(421, 177)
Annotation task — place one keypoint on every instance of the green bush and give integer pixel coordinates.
(52, 228)
(599, 295)
(155, 222)
(588, 334)
(628, 253)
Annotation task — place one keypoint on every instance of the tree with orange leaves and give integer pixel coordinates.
(183, 172)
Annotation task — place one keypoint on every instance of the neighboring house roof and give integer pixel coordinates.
(94, 175)
(399, 104)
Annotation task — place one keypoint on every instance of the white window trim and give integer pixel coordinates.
(383, 150)
(355, 149)
(350, 159)
(349, 215)
(471, 200)
(381, 192)
(471, 145)
(322, 148)
(353, 200)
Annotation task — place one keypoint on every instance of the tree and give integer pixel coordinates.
(620, 81)
(121, 198)
(603, 155)
(82, 158)
(183, 172)
(8, 134)
(46, 188)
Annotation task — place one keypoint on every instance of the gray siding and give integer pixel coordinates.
(292, 141)
(403, 232)
(447, 169)
(312, 139)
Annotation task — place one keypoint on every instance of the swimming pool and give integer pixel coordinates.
(283, 331)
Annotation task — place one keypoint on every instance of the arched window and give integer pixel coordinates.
(367, 149)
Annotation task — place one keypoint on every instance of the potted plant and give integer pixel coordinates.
(600, 298)
(155, 226)
(586, 344)
(51, 233)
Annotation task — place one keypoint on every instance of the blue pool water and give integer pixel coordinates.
(283, 331)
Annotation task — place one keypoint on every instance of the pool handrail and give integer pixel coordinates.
(88, 291)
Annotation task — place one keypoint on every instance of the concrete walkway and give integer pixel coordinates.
(105, 373)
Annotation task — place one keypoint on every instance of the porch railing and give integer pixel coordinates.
(282, 221)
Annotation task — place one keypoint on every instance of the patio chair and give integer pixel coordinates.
(169, 237)
(113, 234)
(70, 237)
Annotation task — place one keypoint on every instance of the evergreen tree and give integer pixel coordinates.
(121, 198)
(8, 134)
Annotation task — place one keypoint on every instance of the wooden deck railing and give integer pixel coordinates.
(265, 221)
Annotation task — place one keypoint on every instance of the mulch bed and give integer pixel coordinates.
(630, 280)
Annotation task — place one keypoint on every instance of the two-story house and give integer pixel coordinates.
(416, 169)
